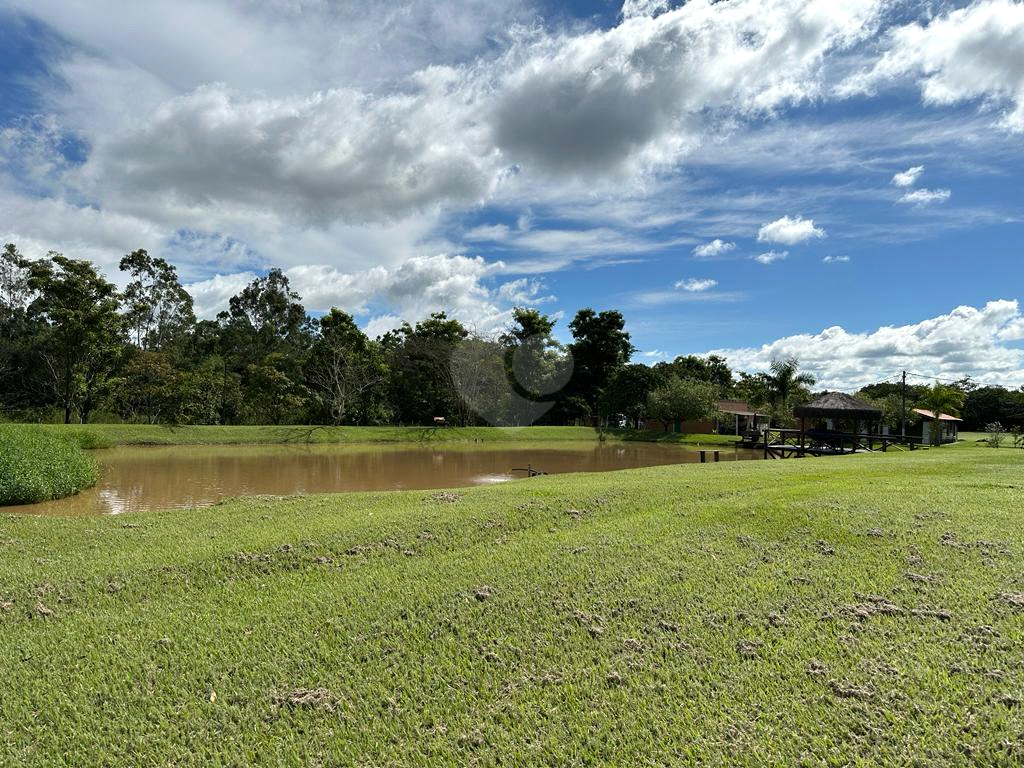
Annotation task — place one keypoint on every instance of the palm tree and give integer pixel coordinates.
(941, 399)
(784, 381)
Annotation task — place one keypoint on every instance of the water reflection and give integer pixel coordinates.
(193, 476)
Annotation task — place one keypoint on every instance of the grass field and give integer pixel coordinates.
(864, 610)
(105, 435)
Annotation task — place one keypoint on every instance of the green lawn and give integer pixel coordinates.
(100, 435)
(864, 610)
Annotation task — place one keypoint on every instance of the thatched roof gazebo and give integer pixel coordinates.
(838, 405)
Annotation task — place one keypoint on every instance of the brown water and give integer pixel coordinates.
(134, 479)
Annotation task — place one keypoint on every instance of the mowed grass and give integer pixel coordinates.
(106, 435)
(40, 465)
(861, 610)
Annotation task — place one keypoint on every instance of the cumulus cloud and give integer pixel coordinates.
(909, 177)
(966, 54)
(695, 285)
(715, 248)
(836, 259)
(926, 196)
(789, 231)
(771, 257)
(966, 342)
(459, 285)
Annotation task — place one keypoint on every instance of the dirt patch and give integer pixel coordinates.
(817, 668)
(444, 497)
(577, 514)
(483, 592)
(922, 578)
(824, 548)
(43, 610)
(749, 649)
(1016, 599)
(308, 698)
(847, 691)
(932, 613)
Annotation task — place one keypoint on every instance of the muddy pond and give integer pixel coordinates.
(134, 479)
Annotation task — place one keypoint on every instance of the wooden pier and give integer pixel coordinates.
(797, 443)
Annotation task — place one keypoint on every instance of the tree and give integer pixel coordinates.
(600, 347)
(14, 289)
(274, 314)
(941, 399)
(683, 400)
(345, 369)
(536, 363)
(14, 327)
(79, 332)
(629, 389)
(157, 309)
(422, 385)
(785, 384)
(711, 368)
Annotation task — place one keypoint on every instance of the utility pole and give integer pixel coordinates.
(903, 406)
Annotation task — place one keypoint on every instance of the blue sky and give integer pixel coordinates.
(834, 181)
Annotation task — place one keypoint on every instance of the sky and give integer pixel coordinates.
(758, 179)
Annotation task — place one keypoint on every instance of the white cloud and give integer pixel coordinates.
(926, 196)
(909, 177)
(966, 342)
(715, 248)
(695, 285)
(966, 54)
(789, 231)
(771, 257)
(836, 259)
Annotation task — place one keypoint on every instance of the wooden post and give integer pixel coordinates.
(716, 455)
(703, 457)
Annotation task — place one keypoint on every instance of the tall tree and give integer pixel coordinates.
(346, 370)
(157, 309)
(80, 331)
(601, 346)
(536, 362)
(629, 389)
(422, 384)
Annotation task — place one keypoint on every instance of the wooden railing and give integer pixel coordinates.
(788, 443)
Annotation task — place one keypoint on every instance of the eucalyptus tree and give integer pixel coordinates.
(345, 371)
(78, 334)
(157, 309)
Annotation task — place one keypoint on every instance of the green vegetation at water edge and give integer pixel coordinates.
(39, 465)
(106, 435)
(864, 610)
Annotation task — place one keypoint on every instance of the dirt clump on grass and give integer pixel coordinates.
(846, 691)
(308, 698)
(445, 497)
(483, 592)
(1016, 599)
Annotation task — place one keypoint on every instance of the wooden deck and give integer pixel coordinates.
(795, 443)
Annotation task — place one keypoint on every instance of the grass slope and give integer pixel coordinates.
(105, 435)
(847, 611)
(40, 465)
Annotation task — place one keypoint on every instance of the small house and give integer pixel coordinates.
(949, 426)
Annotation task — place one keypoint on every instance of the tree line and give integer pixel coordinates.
(75, 348)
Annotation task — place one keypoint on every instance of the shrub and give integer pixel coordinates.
(995, 434)
(39, 465)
